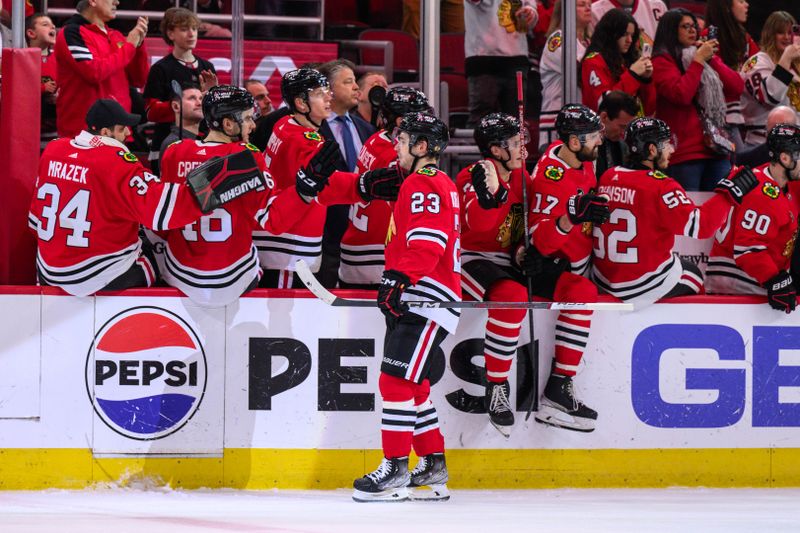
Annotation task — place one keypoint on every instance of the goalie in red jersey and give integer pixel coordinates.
(423, 264)
(754, 248)
(492, 225)
(633, 258)
(564, 207)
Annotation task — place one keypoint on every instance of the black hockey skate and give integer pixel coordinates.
(388, 483)
(430, 472)
(499, 407)
(560, 408)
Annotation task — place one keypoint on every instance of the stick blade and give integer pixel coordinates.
(312, 283)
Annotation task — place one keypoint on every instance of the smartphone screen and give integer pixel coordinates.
(647, 50)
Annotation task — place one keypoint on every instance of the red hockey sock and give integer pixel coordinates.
(572, 327)
(427, 437)
(399, 415)
(502, 329)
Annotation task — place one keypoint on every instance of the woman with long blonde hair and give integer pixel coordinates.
(772, 76)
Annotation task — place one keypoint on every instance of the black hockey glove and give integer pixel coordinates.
(781, 294)
(393, 283)
(380, 184)
(540, 267)
(588, 207)
(486, 199)
(312, 178)
(736, 187)
(222, 179)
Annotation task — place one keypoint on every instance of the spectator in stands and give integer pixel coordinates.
(759, 154)
(647, 13)
(40, 32)
(95, 61)
(735, 48)
(260, 94)
(551, 65)
(772, 76)
(366, 82)
(350, 131)
(179, 30)
(762, 9)
(496, 48)
(188, 115)
(451, 15)
(690, 79)
(617, 110)
(613, 62)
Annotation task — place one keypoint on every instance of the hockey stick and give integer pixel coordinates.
(316, 288)
(533, 351)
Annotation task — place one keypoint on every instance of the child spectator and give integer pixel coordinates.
(613, 63)
(179, 30)
(690, 79)
(40, 32)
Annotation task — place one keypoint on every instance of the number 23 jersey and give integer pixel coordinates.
(424, 242)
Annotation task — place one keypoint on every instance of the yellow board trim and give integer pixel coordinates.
(43, 468)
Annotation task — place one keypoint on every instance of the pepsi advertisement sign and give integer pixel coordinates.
(146, 373)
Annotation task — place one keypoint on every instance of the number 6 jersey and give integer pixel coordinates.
(423, 242)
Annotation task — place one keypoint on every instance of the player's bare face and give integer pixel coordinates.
(248, 125)
(184, 37)
(665, 151)
(319, 102)
(515, 145)
(591, 146)
(624, 42)
(401, 147)
(120, 133)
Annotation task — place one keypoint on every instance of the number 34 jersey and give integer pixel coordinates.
(756, 241)
(633, 257)
(424, 243)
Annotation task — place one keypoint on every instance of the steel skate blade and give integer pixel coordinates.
(550, 416)
(430, 493)
(503, 430)
(387, 496)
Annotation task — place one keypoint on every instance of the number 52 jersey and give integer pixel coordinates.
(424, 243)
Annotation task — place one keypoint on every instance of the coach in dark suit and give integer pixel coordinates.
(351, 132)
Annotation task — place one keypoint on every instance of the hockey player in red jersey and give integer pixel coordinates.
(492, 226)
(91, 196)
(214, 260)
(363, 242)
(295, 139)
(422, 263)
(633, 258)
(564, 207)
(753, 249)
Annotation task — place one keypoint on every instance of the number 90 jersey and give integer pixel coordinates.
(756, 241)
(424, 244)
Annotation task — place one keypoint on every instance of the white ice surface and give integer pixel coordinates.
(562, 511)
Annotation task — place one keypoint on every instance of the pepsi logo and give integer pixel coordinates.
(146, 373)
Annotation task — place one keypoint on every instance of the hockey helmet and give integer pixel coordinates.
(402, 100)
(298, 83)
(783, 138)
(644, 131)
(495, 129)
(576, 119)
(421, 126)
(225, 101)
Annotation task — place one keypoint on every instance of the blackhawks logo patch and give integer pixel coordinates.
(553, 172)
(590, 55)
(128, 156)
(748, 66)
(788, 249)
(657, 174)
(425, 171)
(251, 147)
(771, 190)
(312, 136)
(512, 229)
(554, 42)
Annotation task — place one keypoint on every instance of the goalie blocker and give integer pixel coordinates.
(222, 179)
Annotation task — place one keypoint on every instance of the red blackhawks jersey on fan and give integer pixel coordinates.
(363, 243)
(424, 242)
(91, 196)
(554, 182)
(633, 258)
(756, 241)
(491, 233)
(290, 147)
(213, 261)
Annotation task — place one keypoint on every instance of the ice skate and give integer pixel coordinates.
(429, 478)
(499, 407)
(560, 408)
(388, 483)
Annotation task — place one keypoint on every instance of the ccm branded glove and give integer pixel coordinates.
(380, 184)
(393, 283)
(312, 178)
(736, 187)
